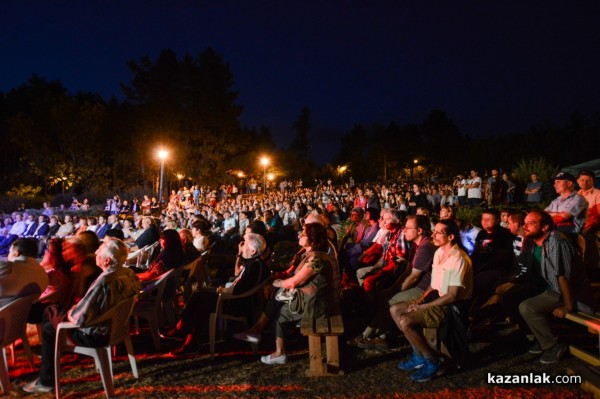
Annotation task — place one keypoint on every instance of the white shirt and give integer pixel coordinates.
(474, 192)
(462, 191)
(454, 271)
(18, 228)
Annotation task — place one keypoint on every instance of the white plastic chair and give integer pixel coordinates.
(148, 255)
(13, 325)
(171, 304)
(252, 295)
(150, 308)
(52, 297)
(119, 332)
(197, 275)
(133, 258)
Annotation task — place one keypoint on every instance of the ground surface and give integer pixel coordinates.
(237, 372)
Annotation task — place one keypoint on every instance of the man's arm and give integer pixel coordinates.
(450, 297)
(561, 217)
(567, 298)
(412, 279)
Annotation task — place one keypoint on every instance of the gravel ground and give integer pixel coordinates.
(237, 372)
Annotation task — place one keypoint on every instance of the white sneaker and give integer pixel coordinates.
(274, 360)
(36, 387)
(248, 337)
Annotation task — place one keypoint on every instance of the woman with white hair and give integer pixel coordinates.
(197, 310)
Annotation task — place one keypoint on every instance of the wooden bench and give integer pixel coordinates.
(314, 329)
(592, 322)
(432, 337)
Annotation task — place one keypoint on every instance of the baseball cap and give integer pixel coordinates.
(565, 176)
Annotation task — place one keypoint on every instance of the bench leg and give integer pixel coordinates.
(431, 336)
(333, 355)
(316, 359)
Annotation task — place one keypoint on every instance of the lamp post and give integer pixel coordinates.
(264, 161)
(162, 154)
(415, 162)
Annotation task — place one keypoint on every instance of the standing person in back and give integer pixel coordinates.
(473, 187)
(533, 191)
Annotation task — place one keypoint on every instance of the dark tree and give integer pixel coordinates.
(189, 106)
(301, 143)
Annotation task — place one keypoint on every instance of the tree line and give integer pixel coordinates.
(54, 141)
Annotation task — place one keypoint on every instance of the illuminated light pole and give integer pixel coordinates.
(341, 170)
(415, 162)
(162, 154)
(179, 177)
(264, 162)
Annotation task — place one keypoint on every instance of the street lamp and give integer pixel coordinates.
(179, 177)
(264, 162)
(162, 154)
(415, 162)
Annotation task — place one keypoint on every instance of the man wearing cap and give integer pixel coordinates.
(569, 209)
(592, 222)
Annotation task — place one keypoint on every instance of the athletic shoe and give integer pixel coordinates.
(248, 337)
(554, 354)
(431, 368)
(274, 360)
(536, 348)
(411, 363)
(36, 387)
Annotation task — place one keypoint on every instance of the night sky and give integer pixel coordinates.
(494, 66)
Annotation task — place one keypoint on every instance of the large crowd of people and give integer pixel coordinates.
(399, 247)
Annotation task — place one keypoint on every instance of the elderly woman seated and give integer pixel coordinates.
(197, 310)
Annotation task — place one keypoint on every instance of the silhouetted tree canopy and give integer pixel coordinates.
(54, 140)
